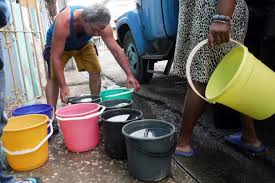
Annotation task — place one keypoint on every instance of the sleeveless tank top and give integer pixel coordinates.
(73, 42)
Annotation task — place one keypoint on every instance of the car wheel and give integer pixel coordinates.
(138, 65)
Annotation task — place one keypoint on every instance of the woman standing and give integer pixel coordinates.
(217, 21)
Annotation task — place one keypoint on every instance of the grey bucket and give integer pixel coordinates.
(116, 104)
(149, 158)
(114, 143)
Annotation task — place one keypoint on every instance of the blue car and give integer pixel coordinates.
(148, 35)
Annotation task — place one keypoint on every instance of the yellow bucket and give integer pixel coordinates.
(25, 141)
(241, 82)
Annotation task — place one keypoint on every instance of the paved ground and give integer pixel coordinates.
(214, 162)
(92, 166)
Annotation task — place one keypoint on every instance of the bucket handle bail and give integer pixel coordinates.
(189, 62)
(27, 151)
(53, 113)
(152, 154)
(122, 93)
(84, 117)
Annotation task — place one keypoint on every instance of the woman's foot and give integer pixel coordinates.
(255, 142)
(236, 140)
(186, 151)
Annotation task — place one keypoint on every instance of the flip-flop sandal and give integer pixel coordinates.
(235, 140)
(184, 154)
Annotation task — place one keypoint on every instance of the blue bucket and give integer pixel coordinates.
(45, 109)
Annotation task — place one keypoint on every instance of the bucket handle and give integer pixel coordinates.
(84, 117)
(122, 93)
(26, 151)
(158, 155)
(53, 113)
(189, 62)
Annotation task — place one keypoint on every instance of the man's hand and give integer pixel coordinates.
(121, 58)
(64, 93)
(133, 83)
(218, 34)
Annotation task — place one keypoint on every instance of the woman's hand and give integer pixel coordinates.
(218, 34)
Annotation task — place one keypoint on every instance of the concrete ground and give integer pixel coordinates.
(92, 166)
(213, 162)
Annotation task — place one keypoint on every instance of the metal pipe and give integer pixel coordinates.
(19, 31)
(20, 58)
(11, 67)
(27, 49)
(35, 52)
(41, 25)
(41, 37)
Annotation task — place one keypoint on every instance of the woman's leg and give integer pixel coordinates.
(193, 107)
(249, 135)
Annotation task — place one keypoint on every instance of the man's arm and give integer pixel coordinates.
(121, 58)
(115, 49)
(60, 34)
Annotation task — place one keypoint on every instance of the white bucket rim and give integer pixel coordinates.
(77, 115)
(230, 83)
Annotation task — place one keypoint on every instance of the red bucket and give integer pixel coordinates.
(79, 125)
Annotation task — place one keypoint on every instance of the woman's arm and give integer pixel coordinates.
(226, 7)
(219, 30)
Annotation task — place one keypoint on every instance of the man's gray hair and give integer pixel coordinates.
(97, 13)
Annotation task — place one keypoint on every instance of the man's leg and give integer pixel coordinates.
(52, 91)
(193, 107)
(87, 60)
(52, 86)
(94, 83)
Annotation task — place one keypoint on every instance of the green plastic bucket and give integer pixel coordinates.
(118, 93)
(150, 145)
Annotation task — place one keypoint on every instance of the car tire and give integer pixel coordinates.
(138, 65)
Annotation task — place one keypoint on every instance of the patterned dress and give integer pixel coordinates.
(195, 18)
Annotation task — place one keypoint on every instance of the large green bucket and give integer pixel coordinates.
(150, 144)
(118, 93)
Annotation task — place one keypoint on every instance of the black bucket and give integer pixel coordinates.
(84, 99)
(150, 146)
(113, 138)
(116, 104)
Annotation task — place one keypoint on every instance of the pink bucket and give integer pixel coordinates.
(79, 125)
